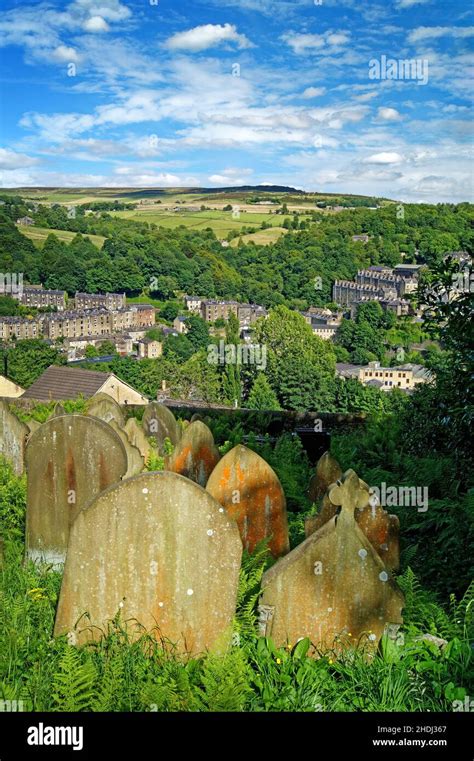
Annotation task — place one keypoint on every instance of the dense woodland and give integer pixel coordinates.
(285, 272)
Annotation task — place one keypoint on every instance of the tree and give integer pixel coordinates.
(105, 348)
(27, 360)
(178, 347)
(262, 396)
(198, 332)
(300, 365)
(91, 351)
(169, 312)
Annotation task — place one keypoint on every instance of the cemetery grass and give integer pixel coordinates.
(117, 674)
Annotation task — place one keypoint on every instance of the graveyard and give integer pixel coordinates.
(155, 561)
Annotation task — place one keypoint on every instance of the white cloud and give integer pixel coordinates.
(388, 114)
(313, 92)
(96, 24)
(207, 36)
(302, 43)
(410, 3)
(434, 32)
(12, 160)
(385, 157)
(66, 54)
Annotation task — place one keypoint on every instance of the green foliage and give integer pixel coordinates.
(27, 360)
(12, 501)
(262, 396)
(73, 683)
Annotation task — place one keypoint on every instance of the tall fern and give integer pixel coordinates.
(251, 572)
(73, 683)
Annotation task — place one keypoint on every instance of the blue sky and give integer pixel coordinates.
(226, 92)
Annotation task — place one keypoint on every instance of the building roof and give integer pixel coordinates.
(65, 383)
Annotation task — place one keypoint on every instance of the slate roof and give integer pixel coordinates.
(65, 383)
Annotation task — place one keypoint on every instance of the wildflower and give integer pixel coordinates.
(278, 661)
(330, 661)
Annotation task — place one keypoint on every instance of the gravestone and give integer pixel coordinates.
(381, 529)
(159, 549)
(327, 472)
(159, 424)
(251, 493)
(332, 585)
(136, 436)
(105, 408)
(13, 436)
(135, 462)
(69, 460)
(195, 456)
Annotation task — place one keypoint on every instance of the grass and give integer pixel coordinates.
(39, 234)
(222, 222)
(262, 237)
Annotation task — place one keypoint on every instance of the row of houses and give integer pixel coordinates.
(211, 310)
(38, 297)
(86, 323)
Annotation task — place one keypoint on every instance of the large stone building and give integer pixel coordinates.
(346, 292)
(386, 278)
(404, 377)
(212, 310)
(110, 301)
(385, 284)
(246, 314)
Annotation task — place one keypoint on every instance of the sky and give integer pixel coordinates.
(308, 93)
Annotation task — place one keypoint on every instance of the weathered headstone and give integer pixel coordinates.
(135, 461)
(159, 424)
(195, 456)
(69, 460)
(13, 436)
(105, 408)
(381, 529)
(136, 436)
(161, 550)
(333, 584)
(327, 472)
(251, 493)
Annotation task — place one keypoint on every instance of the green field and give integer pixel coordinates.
(262, 237)
(39, 234)
(222, 222)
